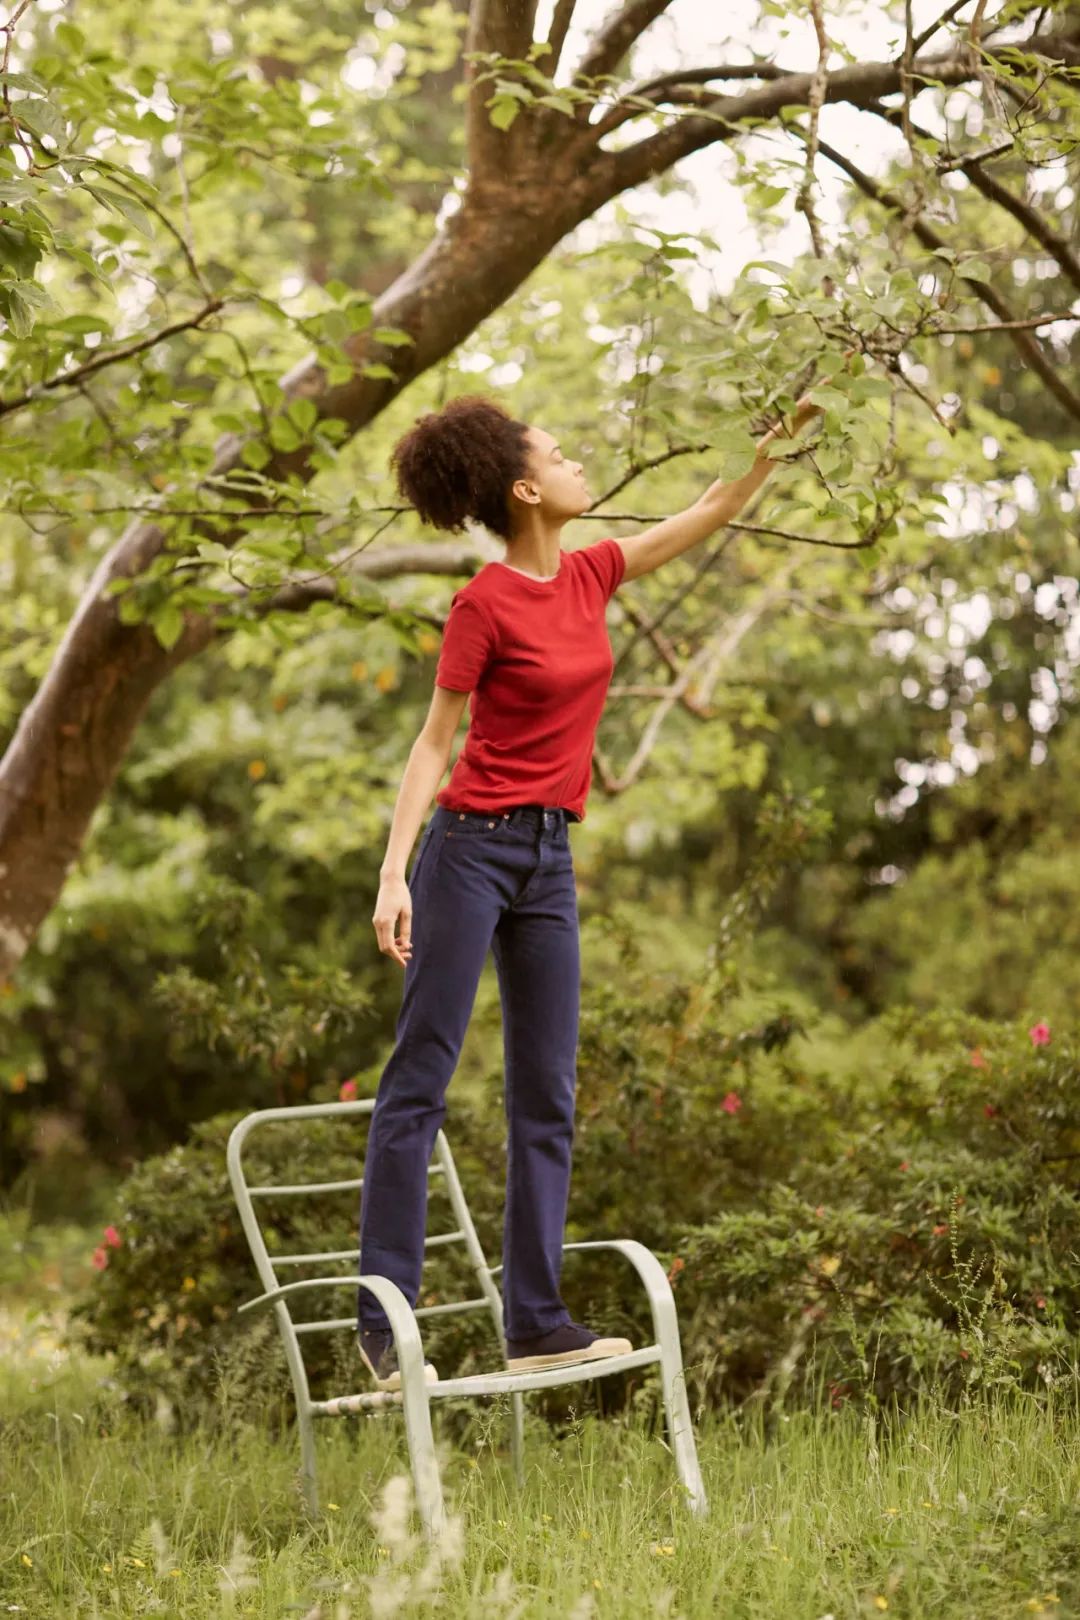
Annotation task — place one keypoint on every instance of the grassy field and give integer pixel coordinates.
(812, 1515)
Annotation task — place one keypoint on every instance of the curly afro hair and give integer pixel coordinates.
(461, 462)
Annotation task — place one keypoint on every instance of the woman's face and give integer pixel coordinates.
(559, 482)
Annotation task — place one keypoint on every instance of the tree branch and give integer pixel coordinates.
(77, 374)
(615, 37)
(925, 233)
(863, 84)
(504, 27)
(560, 25)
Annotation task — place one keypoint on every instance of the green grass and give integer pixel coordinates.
(812, 1515)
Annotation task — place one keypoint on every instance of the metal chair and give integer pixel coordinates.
(415, 1394)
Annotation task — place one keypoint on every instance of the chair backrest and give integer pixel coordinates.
(257, 1203)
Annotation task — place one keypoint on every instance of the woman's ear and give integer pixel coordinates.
(524, 491)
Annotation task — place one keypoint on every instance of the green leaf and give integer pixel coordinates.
(283, 436)
(376, 369)
(392, 336)
(42, 117)
(167, 623)
(256, 454)
(130, 209)
(503, 111)
(305, 413)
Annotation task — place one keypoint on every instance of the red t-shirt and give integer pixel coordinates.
(536, 657)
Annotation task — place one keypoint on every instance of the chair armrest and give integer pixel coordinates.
(652, 1274)
(403, 1323)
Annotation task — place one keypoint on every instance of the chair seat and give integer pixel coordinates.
(497, 1383)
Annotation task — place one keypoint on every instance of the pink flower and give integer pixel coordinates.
(731, 1103)
(99, 1259)
(977, 1059)
(1040, 1034)
(1040, 1304)
(112, 1237)
(905, 1163)
(348, 1091)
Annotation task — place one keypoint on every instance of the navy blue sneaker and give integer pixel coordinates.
(567, 1343)
(377, 1352)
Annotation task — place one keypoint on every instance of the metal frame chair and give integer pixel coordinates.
(416, 1395)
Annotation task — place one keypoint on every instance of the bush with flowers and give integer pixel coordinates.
(915, 1226)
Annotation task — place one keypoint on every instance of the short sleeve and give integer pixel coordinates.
(606, 561)
(467, 646)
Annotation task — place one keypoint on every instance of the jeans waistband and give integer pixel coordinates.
(527, 815)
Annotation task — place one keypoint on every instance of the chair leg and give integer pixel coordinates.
(425, 1466)
(517, 1436)
(307, 1459)
(680, 1427)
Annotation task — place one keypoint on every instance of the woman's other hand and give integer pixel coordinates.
(394, 902)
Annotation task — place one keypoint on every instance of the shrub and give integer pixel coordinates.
(914, 1226)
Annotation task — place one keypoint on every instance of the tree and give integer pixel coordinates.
(539, 161)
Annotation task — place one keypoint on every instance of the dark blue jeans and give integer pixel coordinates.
(503, 880)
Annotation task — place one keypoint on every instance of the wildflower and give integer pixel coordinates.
(188, 1284)
(662, 1549)
(731, 1103)
(175, 1572)
(99, 1259)
(106, 1569)
(677, 1265)
(257, 769)
(27, 1561)
(333, 1507)
(829, 1265)
(963, 1355)
(1040, 1304)
(1040, 1034)
(905, 1164)
(819, 1211)
(977, 1059)
(348, 1091)
(112, 1237)
(989, 1110)
(881, 1602)
(586, 1535)
(938, 1230)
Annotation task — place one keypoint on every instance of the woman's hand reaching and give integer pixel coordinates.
(394, 902)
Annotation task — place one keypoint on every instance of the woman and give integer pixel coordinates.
(527, 638)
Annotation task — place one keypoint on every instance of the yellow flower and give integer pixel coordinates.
(663, 1549)
(175, 1572)
(333, 1507)
(928, 1504)
(546, 1517)
(136, 1563)
(829, 1264)
(106, 1569)
(599, 1585)
(891, 1510)
(28, 1561)
(586, 1535)
(881, 1602)
(188, 1284)
(257, 769)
